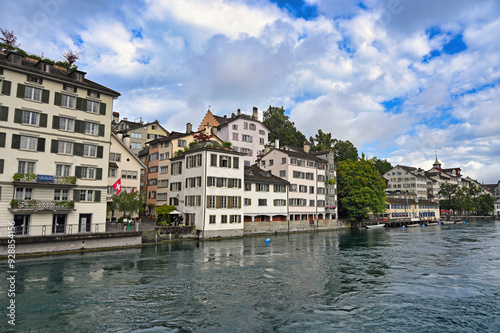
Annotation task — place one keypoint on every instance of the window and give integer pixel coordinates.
(89, 150)
(224, 161)
(252, 127)
(88, 173)
(69, 88)
(162, 196)
(248, 201)
(24, 193)
(63, 170)
(163, 156)
(153, 157)
(235, 127)
(235, 136)
(153, 169)
(213, 160)
(33, 94)
(181, 143)
(152, 137)
(136, 135)
(154, 127)
(112, 172)
(234, 218)
(91, 128)
(60, 194)
(193, 161)
(293, 187)
(30, 117)
(66, 124)
(302, 188)
(115, 157)
(262, 202)
(262, 132)
(26, 167)
(135, 145)
(283, 160)
(164, 169)
(311, 189)
(28, 142)
(86, 195)
(221, 182)
(235, 202)
(211, 201)
(271, 162)
(236, 162)
(65, 147)
(68, 101)
(223, 219)
(261, 141)
(223, 201)
(192, 200)
(279, 202)
(211, 219)
(262, 187)
(129, 174)
(92, 106)
(163, 183)
(248, 186)
(175, 187)
(245, 125)
(311, 203)
(246, 138)
(176, 168)
(279, 188)
(282, 173)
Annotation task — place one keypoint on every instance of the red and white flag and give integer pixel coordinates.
(118, 186)
(133, 189)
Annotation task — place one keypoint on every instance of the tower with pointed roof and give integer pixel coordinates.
(437, 164)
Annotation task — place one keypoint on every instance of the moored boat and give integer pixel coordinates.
(375, 226)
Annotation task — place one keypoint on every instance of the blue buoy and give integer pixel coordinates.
(404, 227)
(423, 225)
(439, 223)
(464, 221)
(268, 240)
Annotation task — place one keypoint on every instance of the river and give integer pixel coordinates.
(426, 279)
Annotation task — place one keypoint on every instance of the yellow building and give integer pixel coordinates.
(416, 209)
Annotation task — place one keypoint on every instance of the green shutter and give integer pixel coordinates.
(102, 109)
(16, 141)
(6, 88)
(40, 145)
(101, 129)
(56, 121)
(98, 173)
(57, 99)
(43, 120)
(76, 195)
(2, 139)
(79, 103)
(97, 196)
(45, 96)
(78, 171)
(4, 113)
(78, 149)
(2, 162)
(54, 146)
(79, 126)
(21, 90)
(18, 116)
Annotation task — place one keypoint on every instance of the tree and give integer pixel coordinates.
(382, 165)
(360, 189)
(321, 141)
(484, 204)
(71, 57)
(449, 193)
(128, 203)
(8, 38)
(282, 128)
(344, 150)
(162, 212)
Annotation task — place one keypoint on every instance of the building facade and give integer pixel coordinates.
(135, 135)
(55, 127)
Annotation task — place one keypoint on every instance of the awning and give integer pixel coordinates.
(175, 212)
(113, 165)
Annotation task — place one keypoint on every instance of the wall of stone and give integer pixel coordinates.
(270, 227)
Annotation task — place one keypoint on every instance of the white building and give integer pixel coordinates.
(54, 133)
(208, 183)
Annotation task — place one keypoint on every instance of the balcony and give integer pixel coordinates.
(31, 178)
(18, 206)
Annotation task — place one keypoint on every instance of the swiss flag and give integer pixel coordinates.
(118, 186)
(133, 189)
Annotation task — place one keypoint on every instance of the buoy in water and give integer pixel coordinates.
(464, 221)
(268, 240)
(423, 225)
(404, 227)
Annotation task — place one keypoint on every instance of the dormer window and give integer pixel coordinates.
(16, 58)
(34, 79)
(78, 76)
(46, 68)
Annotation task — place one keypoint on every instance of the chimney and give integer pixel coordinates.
(116, 117)
(255, 113)
(277, 143)
(238, 112)
(125, 119)
(189, 128)
(307, 146)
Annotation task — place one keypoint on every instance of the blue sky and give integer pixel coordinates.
(400, 79)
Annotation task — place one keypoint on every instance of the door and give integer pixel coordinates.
(59, 223)
(84, 222)
(21, 222)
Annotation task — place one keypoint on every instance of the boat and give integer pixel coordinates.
(375, 226)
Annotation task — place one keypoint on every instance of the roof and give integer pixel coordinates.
(401, 201)
(254, 174)
(134, 124)
(298, 153)
(55, 73)
(128, 149)
(225, 121)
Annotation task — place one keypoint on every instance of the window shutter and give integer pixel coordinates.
(57, 99)
(16, 141)
(78, 149)
(78, 171)
(230, 183)
(97, 196)
(274, 202)
(239, 202)
(21, 90)
(79, 103)
(54, 146)
(229, 162)
(249, 202)
(40, 145)
(100, 150)
(218, 202)
(56, 121)
(2, 139)
(208, 201)
(102, 109)
(79, 126)
(64, 86)
(267, 187)
(4, 113)
(2, 162)
(6, 88)
(101, 129)
(45, 96)
(18, 116)
(76, 195)
(98, 173)
(230, 202)
(43, 120)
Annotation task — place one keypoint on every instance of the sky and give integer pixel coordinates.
(401, 79)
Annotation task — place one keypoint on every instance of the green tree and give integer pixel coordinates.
(344, 150)
(163, 211)
(282, 128)
(484, 204)
(449, 193)
(361, 190)
(128, 203)
(382, 165)
(321, 141)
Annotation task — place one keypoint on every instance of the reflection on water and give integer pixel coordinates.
(421, 279)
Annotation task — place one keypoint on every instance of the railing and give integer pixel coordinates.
(57, 229)
(44, 179)
(42, 205)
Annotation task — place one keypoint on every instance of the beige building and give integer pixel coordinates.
(55, 136)
(124, 165)
(135, 135)
(402, 208)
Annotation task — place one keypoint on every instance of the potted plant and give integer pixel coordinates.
(14, 203)
(18, 176)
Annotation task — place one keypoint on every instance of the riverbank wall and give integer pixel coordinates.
(281, 227)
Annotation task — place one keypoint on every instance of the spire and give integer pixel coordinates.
(437, 164)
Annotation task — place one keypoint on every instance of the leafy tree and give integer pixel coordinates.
(344, 150)
(163, 211)
(449, 193)
(128, 203)
(321, 141)
(282, 128)
(382, 165)
(484, 204)
(8, 38)
(360, 189)
(71, 57)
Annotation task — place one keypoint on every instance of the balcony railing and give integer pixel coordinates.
(44, 179)
(45, 230)
(41, 205)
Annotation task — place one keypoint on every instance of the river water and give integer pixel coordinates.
(427, 279)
